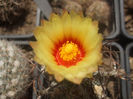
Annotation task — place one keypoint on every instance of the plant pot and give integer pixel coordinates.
(22, 36)
(123, 24)
(120, 86)
(122, 63)
(128, 55)
(113, 34)
(115, 24)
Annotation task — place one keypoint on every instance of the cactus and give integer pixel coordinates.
(130, 3)
(10, 10)
(99, 10)
(14, 71)
(72, 6)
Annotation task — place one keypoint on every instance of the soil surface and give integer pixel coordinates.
(24, 25)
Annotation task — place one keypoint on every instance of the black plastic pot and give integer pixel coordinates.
(116, 24)
(112, 35)
(116, 47)
(122, 16)
(122, 63)
(22, 36)
(129, 53)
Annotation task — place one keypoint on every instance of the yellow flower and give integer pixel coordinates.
(69, 46)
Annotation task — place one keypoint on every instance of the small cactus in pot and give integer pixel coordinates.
(14, 71)
(10, 10)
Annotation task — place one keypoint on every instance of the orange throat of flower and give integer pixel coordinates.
(68, 53)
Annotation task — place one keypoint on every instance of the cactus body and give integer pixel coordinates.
(14, 71)
(99, 10)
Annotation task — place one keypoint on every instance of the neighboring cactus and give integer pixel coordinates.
(70, 5)
(99, 10)
(12, 9)
(130, 3)
(14, 71)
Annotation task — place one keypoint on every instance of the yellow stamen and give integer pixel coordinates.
(69, 51)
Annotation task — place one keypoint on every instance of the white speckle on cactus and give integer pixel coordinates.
(14, 70)
(11, 53)
(2, 97)
(9, 48)
(7, 86)
(2, 73)
(10, 60)
(3, 48)
(1, 44)
(1, 83)
(11, 93)
(14, 81)
(1, 64)
(16, 63)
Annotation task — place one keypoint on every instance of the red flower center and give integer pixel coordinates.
(68, 52)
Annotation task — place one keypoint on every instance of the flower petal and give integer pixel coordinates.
(63, 27)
